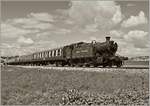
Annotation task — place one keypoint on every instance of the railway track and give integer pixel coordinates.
(128, 69)
(124, 67)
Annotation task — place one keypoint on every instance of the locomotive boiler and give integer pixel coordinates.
(77, 54)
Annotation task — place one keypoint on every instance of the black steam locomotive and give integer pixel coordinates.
(77, 54)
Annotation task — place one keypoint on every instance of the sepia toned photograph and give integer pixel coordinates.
(74, 52)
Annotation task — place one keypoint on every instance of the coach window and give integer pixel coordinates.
(42, 54)
(49, 53)
(46, 54)
(52, 53)
(60, 52)
(56, 52)
(35, 56)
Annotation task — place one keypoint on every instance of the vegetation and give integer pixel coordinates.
(42, 86)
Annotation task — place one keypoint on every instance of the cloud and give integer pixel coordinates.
(41, 26)
(103, 13)
(130, 4)
(42, 17)
(117, 17)
(116, 33)
(10, 31)
(91, 28)
(33, 21)
(135, 20)
(132, 43)
(7, 46)
(137, 37)
(24, 40)
(83, 21)
(61, 31)
(22, 21)
(68, 21)
(9, 49)
(131, 51)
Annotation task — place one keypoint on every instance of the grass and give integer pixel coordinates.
(43, 86)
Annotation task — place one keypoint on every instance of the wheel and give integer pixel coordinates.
(104, 65)
(118, 64)
(95, 65)
(57, 64)
(62, 64)
(81, 65)
(87, 65)
(72, 65)
(110, 65)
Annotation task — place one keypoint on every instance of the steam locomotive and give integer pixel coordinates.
(77, 54)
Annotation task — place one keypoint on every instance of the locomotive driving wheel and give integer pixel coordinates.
(104, 65)
(110, 64)
(119, 65)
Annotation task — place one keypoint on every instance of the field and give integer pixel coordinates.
(23, 86)
(137, 63)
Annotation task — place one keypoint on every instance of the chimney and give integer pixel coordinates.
(107, 38)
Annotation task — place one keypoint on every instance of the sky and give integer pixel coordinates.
(31, 26)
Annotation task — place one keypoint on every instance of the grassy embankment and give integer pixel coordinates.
(39, 86)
